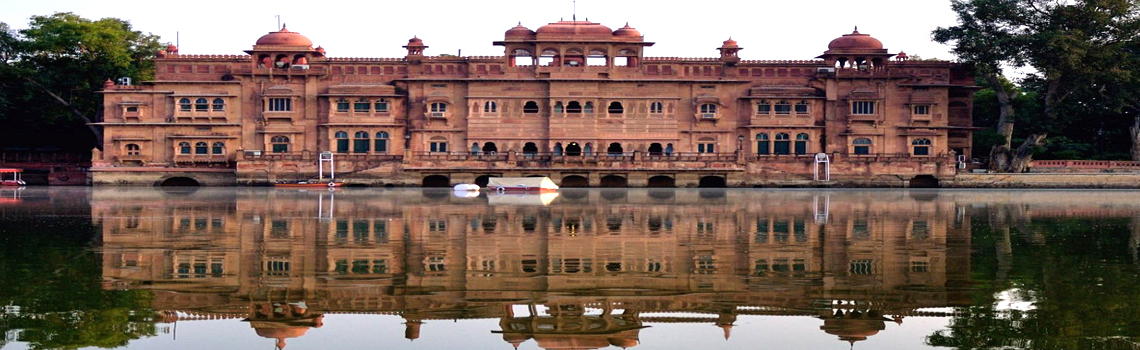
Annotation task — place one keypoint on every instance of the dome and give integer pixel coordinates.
(855, 41)
(284, 37)
(627, 31)
(415, 41)
(575, 28)
(730, 44)
(520, 32)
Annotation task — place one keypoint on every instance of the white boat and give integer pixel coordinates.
(466, 187)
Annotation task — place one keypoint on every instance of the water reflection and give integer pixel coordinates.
(587, 269)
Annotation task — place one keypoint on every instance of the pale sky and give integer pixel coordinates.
(767, 30)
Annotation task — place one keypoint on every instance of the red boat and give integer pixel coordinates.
(14, 180)
(304, 184)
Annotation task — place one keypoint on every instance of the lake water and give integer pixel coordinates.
(261, 268)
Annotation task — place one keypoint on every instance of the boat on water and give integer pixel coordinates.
(11, 177)
(522, 184)
(325, 157)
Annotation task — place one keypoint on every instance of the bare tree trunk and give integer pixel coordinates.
(90, 124)
(1134, 133)
(1000, 155)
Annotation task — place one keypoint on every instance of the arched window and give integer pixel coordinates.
(490, 148)
(783, 107)
(361, 106)
(532, 107)
(219, 104)
(279, 144)
(921, 147)
(614, 149)
(573, 149)
(381, 105)
(530, 149)
(762, 143)
(475, 150)
(184, 104)
(862, 145)
(706, 145)
(589, 108)
(341, 142)
(656, 107)
(802, 143)
(490, 107)
(615, 108)
(342, 105)
(382, 142)
(201, 105)
(589, 149)
(708, 110)
(763, 107)
(201, 148)
(438, 109)
(802, 107)
(557, 149)
(669, 149)
(218, 148)
(573, 107)
(655, 149)
(183, 148)
(557, 107)
(133, 149)
(360, 142)
(783, 144)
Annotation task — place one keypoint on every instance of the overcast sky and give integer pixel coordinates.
(767, 30)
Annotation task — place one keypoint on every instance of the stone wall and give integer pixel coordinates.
(1044, 181)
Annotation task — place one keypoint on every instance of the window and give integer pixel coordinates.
(921, 147)
(184, 105)
(490, 107)
(783, 107)
(132, 110)
(802, 107)
(764, 107)
(862, 145)
(615, 108)
(708, 110)
(381, 105)
(801, 143)
(531, 107)
(589, 107)
(183, 148)
(573, 107)
(656, 108)
(218, 148)
(438, 144)
(342, 105)
(361, 106)
(279, 144)
(783, 144)
(438, 109)
(341, 141)
(279, 104)
(360, 142)
(219, 104)
(382, 142)
(922, 110)
(762, 143)
(557, 108)
(920, 230)
(133, 149)
(863, 107)
(200, 148)
(706, 145)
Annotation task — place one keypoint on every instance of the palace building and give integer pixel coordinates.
(573, 100)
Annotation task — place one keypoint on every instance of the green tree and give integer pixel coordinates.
(54, 68)
(1072, 46)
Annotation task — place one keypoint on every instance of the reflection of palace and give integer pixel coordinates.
(590, 270)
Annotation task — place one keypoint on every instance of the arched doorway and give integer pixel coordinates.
(573, 149)
(530, 149)
(712, 182)
(180, 181)
(660, 181)
(615, 149)
(490, 148)
(655, 149)
(923, 181)
(436, 181)
(575, 181)
(483, 180)
(614, 181)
